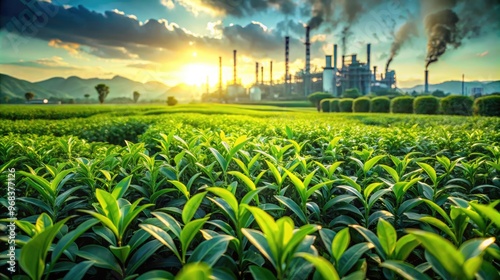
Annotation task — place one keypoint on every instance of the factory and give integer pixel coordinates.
(334, 78)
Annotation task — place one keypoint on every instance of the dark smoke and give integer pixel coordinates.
(448, 22)
(405, 32)
(442, 31)
(314, 22)
(345, 35)
(333, 12)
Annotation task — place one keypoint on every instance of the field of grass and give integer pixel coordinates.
(248, 192)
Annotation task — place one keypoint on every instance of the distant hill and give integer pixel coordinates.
(455, 87)
(76, 87)
(181, 92)
(13, 87)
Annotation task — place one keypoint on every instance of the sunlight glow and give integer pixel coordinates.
(196, 73)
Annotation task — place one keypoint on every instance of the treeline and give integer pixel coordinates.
(426, 104)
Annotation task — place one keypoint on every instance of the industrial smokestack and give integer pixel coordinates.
(234, 66)
(271, 73)
(308, 50)
(220, 76)
(256, 73)
(335, 56)
(368, 54)
(287, 58)
(343, 61)
(307, 77)
(374, 73)
(426, 86)
(262, 75)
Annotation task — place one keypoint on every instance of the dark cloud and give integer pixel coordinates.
(240, 8)
(113, 34)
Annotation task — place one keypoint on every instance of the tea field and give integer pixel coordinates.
(247, 192)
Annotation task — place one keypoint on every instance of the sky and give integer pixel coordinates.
(180, 41)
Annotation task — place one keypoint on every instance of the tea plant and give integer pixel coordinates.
(240, 192)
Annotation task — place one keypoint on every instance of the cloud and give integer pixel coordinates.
(146, 66)
(72, 48)
(237, 8)
(485, 53)
(54, 62)
(168, 3)
(115, 35)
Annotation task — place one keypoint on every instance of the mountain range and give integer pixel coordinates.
(75, 88)
(455, 87)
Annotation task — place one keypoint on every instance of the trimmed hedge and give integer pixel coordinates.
(402, 104)
(345, 105)
(457, 105)
(315, 98)
(487, 106)
(380, 105)
(334, 105)
(325, 105)
(361, 104)
(428, 105)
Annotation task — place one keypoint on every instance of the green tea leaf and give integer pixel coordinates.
(405, 270)
(449, 257)
(387, 236)
(324, 267)
(191, 207)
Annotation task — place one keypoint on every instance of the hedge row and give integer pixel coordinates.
(450, 105)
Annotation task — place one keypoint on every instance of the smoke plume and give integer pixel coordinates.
(334, 11)
(345, 35)
(405, 32)
(448, 22)
(442, 31)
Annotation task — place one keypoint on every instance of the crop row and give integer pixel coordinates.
(232, 197)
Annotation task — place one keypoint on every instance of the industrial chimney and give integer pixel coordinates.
(307, 76)
(287, 59)
(426, 86)
(335, 56)
(271, 73)
(368, 54)
(234, 66)
(256, 73)
(262, 75)
(374, 73)
(308, 51)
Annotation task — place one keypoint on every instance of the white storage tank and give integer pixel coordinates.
(255, 93)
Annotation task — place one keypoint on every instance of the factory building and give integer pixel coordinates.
(352, 73)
